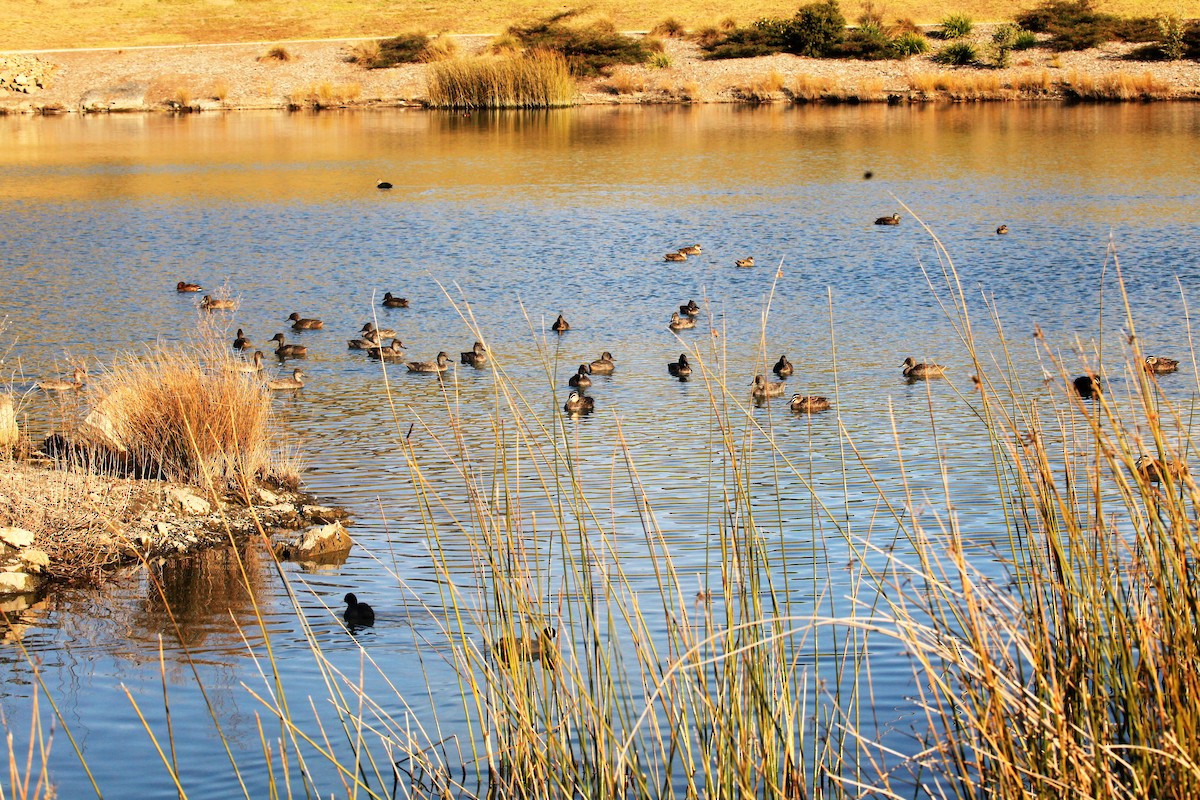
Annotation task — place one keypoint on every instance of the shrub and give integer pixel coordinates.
(276, 54)
(957, 54)
(759, 40)
(438, 48)
(1024, 40)
(910, 44)
(1075, 25)
(956, 26)
(669, 27)
(660, 61)
(816, 29)
(867, 42)
(363, 53)
(588, 49)
(1172, 29)
(406, 48)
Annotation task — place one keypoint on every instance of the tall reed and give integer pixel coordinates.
(535, 80)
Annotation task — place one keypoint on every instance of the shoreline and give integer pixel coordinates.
(236, 77)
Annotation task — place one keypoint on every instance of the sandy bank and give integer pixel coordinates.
(318, 75)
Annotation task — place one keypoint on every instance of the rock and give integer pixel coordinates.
(18, 583)
(16, 537)
(317, 541)
(9, 434)
(268, 498)
(162, 529)
(36, 559)
(128, 96)
(188, 503)
(325, 514)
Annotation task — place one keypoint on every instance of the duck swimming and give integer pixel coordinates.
(391, 352)
(57, 385)
(690, 310)
(1087, 386)
(288, 350)
(241, 342)
(183, 286)
(210, 304)
(381, 185)
(783, 368)
(579, 404)
(254, 365)
(603, 365)
(1003, 229)
(763, 388)
(679, 323)
(382, 333)
(287, 384)
(477, 356)
(680, 369)
(675, 257)
(394, 302)
(299, 324)
(581, 379)
(560, 325)
(542, 648)
(1154, 471)
(914, 371)
(894, 219)
(357, 614)
(808, 404)
(744, 262)
(368, 342)
(1156, 365)
(441, 364)
(690, 250)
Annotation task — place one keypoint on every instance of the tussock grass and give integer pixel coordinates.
(364, 53)
(1115, 86)
(181, 411)
(326, 94)
(535, 80)
(811, 87)
(669, 27)
(588, 47)
(625, 82)
(277, 53)
(761, 88)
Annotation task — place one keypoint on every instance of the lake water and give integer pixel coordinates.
(522, 217)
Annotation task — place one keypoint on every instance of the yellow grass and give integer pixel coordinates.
(66, 23)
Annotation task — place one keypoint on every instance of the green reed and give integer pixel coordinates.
(534, 80)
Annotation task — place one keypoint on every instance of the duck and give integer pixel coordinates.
(579, 404)
(287, 384)
(357, 614)
(1087, 386)
(391, 352)
(209, 303)
(382, 333)
(286, 350)
(690, 250)
(763, 388)
(391, 301)
(744, 262)
(441, 364)
(894, 219)
(542, 648)
(680, 369)
(382, 184)
(783, 368)
(603, 365)
(690, 310)
(184, 286)
(581, 379)
(367, 342)
(679, 323)
(477, 356)
(675, 257)
(1003, 229)
(58, 385)
(809, 404)
(913, 371)
(1152, 470)
(1157, 365)
(300, 324)
(241, 342)
(254, 365)
(560, 325)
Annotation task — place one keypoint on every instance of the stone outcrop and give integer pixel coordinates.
(21, 564)
(315, 543)
(24, 74)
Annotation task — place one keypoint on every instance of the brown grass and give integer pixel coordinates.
(327, 95)
(439, 48)
(1033, 82)
(66, 23)
(1115, 86)
(276, 53)
(626, 82)
(809, 87)
(363, 53)
(761, 88)
(219, 90)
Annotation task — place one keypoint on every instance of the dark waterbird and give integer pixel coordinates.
(603, 365)
(184, 286)
(542, 648)
(1087, 386)
(560, 325)
(783, 368)
(894, 219)
(357, 614)
(582, 378)
(680, 369)
(391, 301)
(579, 404)
(383, 185)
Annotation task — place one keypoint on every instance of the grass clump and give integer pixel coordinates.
(588, 48)
(364, 53)
(534, 80)
(407, 48)
(957, 54)
(670, 28)
(1077, 25)
(815, 31)
(910, 44)
(276, 53)
(955, 26)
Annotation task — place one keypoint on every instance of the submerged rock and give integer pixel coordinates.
(315, 543)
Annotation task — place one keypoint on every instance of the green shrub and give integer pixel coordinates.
(660, 61)
(816, 29)
(1024, 40)
(1075, 25)
(956, 26)
(957, 54)
(867, 42)
(588, 49)
(403, 49)
(744, 43)
(910, 44)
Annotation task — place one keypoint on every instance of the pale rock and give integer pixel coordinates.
(162, 529)
(268, 498)
(324, 514)
(315, 542)
(16, 537)
(188, 503)
(35, 558)
(18, 583)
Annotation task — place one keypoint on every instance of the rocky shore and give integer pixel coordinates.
(319, 75)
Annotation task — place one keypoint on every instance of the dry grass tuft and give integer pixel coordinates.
(439, 48)
(1038, 82)
(364, 53)
(809, 87)
(539, 79)
(219, 90)
(761, 88)
(276, 53)
(626, 82)
(1115, 86)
